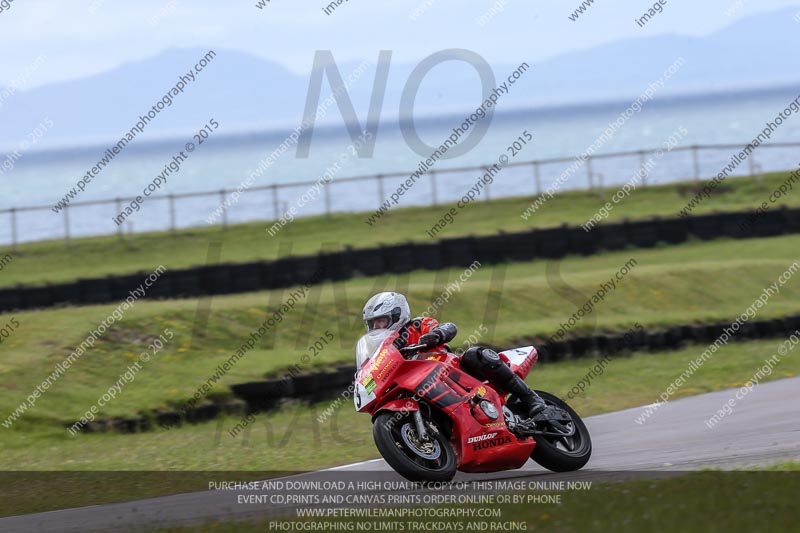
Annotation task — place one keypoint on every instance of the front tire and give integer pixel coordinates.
(563, 454)
(396, 438)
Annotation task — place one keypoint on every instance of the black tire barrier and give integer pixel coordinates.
(307, 384)
(545, 243)
(125, 425)
(673, 338)
(168, 418)
(428, 256)
(271, 388)
(583, 243)
(612, 236)
(145, 424)
(203, 413)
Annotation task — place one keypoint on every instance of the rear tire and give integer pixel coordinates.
(565, 454)
(395, 437)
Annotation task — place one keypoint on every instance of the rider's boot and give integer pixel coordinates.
(501, 375)
(531, 402)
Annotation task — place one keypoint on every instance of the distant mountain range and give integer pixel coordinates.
(244, 92)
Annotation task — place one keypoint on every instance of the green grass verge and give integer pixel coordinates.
(692, 283)
(791, 466)
(54, 261)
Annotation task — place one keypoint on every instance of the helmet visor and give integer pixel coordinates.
(379, 322)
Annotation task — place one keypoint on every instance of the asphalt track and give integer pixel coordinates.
(763, 428)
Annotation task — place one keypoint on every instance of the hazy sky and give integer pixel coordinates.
(88, 36)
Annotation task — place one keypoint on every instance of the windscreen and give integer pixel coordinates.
(369, 344)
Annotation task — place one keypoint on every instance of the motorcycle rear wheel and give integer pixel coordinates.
(396, 438)
(563, 454)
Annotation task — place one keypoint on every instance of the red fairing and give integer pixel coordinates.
(401, 405)
(481, 443)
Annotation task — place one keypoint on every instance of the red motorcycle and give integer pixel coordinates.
(431, 419)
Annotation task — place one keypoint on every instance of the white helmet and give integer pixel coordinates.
(391, 305)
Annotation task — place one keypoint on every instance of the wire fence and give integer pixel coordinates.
(367, 193)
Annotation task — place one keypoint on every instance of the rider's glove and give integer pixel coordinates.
(447, 332)
(434, 338)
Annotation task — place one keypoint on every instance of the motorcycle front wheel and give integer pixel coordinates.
(562, 447)
(416, 460)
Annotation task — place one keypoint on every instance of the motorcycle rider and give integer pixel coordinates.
(390, 310)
